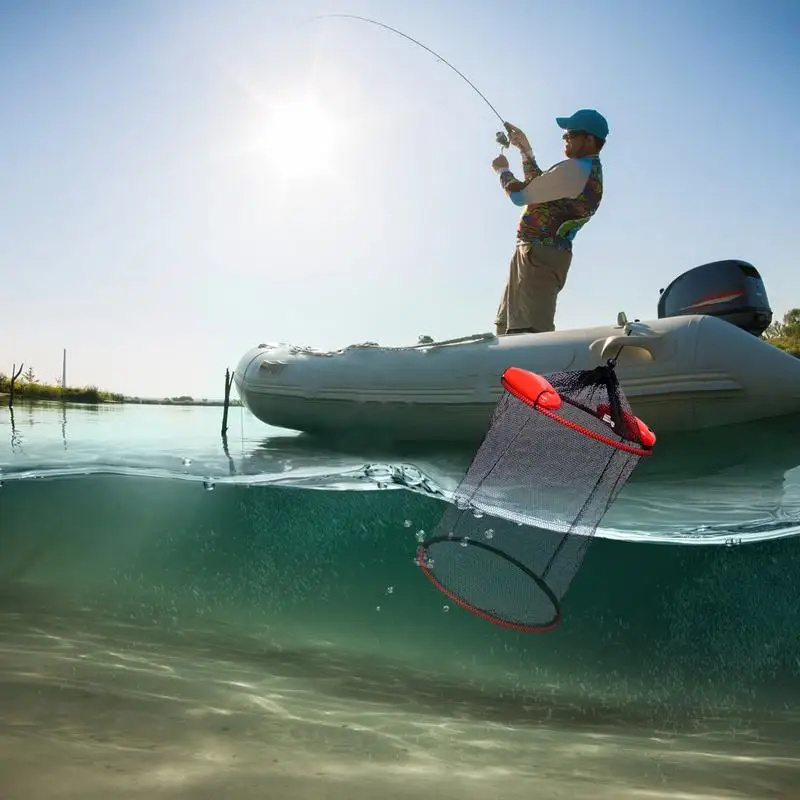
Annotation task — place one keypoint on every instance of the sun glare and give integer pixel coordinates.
(300, 137)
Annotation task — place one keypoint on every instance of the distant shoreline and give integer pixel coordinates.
(146, 401)
(21, 397)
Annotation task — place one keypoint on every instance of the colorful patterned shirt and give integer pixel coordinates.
(558, 202)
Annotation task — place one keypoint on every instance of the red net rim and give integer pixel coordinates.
(515, 626)
(628, 448)
(547, 397)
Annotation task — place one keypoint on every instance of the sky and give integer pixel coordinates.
(184, 180)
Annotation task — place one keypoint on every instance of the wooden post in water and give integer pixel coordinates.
(64, 373)
(228, 382)
(12, 381)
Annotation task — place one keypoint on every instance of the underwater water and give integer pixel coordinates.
(187, 618)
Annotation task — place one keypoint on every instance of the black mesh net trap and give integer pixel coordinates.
(558, 450)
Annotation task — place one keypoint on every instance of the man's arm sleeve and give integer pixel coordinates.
(565, 179)
(509, 183)
(530, 171)
(530, 168)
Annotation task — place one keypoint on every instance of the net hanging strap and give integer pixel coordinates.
(558, 450)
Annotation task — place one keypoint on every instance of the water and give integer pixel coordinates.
(186, 620)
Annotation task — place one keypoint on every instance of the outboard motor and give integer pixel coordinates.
(730, 289)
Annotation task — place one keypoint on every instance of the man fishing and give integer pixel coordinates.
(557, 204)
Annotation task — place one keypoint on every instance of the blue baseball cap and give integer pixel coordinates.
(587, 119)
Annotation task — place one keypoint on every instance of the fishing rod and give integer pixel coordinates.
(500, 137)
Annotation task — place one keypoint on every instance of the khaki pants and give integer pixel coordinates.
(536, 275)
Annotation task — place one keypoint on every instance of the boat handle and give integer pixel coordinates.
(610, 346)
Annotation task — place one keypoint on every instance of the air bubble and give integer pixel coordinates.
(477, 513)
(187, 462)
(389, 589)
(445, 609)
(407, 523)
(377, 608)
(465, 541)
(489, 533)
(420, 536)
(208, 485)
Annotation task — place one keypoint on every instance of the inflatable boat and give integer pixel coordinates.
(700, 364)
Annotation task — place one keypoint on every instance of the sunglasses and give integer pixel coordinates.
(567, 135)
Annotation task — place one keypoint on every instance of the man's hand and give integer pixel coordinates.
(500, 163)
(518, 138)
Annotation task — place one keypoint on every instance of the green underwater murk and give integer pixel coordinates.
(643, 623)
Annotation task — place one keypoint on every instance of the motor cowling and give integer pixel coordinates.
(732, 290)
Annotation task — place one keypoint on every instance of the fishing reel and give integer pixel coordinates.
(502, 139)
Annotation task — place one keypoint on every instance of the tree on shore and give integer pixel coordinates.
(786, 333)
(27, 385)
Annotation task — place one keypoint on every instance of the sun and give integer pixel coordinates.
(299, 136)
